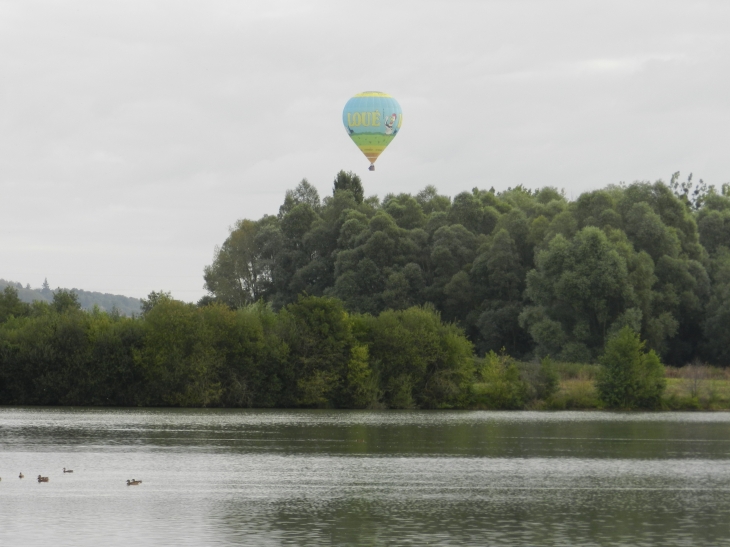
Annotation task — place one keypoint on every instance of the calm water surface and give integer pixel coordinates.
(241, 477)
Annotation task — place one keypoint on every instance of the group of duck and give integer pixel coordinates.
(41, 478)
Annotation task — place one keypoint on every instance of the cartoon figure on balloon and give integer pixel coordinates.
(390, 123)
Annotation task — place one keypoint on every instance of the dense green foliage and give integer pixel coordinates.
(312, 353)
(630, 377)
(525, 270)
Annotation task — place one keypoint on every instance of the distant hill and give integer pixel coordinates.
(126, 305)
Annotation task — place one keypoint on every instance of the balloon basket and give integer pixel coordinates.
(372, 167)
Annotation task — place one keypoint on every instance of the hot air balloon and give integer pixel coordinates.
(372, 120)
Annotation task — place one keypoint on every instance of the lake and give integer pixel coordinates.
(280, 477)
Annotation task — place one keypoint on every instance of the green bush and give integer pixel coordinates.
(541, 379)
(630, 378)
(575, 394)
(420, 360)
(362, 383)
(576, 371)
(499, 385)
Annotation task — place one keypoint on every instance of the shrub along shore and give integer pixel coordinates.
(692, 387)
(310, 354)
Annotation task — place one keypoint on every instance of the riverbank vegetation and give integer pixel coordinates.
(312, 354)
(499, 300)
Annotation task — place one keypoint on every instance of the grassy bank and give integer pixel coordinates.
(690, 387)
(697, 387)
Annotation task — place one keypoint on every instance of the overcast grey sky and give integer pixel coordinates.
(134, 133)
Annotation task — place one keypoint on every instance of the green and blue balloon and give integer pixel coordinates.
(372, 119)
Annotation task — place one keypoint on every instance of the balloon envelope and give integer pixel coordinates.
(372, 119)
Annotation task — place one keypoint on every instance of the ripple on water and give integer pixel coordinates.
(224, 477)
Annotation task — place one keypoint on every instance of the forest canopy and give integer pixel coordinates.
(522, 269)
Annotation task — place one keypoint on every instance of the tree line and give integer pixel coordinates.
(88, 299)
(525, 270)
(312, 354)
(410, 302)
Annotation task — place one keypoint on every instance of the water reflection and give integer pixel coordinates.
(218, 477)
